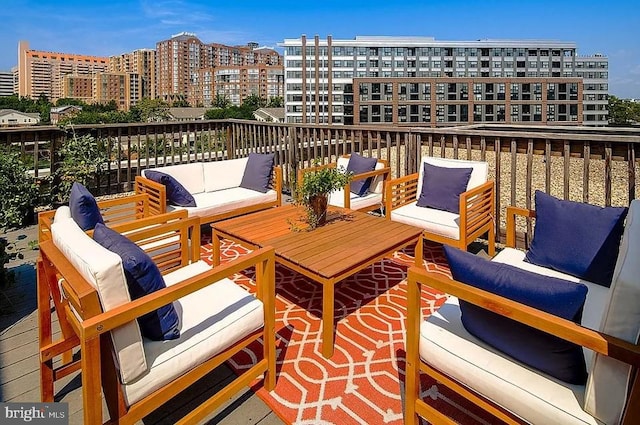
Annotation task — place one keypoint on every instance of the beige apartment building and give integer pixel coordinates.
(141, 62)
(188, 69)
(43, 73)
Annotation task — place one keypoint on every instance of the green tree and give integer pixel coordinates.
(254, 102)
(19, 192)
(151, 110)
(623, 112)
(276, 102)
(180, 103)
(221, 101)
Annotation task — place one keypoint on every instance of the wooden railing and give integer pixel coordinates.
(596, 165)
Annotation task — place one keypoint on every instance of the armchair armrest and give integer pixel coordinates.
(477, 207)
(156, 192)
(124, 209)
(263, 259)
(399, 192)
(385, 172)
(276, 183)
(113, 211)
(511, 222)
(599, 342)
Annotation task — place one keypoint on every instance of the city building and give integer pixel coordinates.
(141, 62)
(13, 118)
(269, 114)
(59, 113)
(6, 83)
(43, 73)
(190, 70)
(424, 81)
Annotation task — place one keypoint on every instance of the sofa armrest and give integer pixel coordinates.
(156, 192)
(511, 222)
(566, 329)
(399, 192)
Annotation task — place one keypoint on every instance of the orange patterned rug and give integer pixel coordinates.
(363, 383)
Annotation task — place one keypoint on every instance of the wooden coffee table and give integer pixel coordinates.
(348, 243)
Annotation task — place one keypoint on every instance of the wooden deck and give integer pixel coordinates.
(19, 368)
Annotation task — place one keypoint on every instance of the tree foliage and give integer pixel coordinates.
(623, 112)
(19, 192)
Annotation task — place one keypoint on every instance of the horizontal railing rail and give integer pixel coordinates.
(596, 165)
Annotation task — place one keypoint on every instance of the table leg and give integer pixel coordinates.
(215, 241)
(328, 306)
(419, 252)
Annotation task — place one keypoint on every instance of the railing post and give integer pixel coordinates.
(229, 142)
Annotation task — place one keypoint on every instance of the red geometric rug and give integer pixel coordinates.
(363, 383)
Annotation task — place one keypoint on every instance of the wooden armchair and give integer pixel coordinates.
(512, 392)
(477, 206)
(133, 371)
(344, 198)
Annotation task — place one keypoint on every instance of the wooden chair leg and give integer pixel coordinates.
(44, 333)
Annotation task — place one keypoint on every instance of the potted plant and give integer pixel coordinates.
(19, 192)
(314, 189)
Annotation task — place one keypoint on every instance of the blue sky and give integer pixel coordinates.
(107, 28)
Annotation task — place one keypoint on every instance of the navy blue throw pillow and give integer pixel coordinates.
(442, 186)
(257, 174)
(176, 193)
(143, 278)
(579, 239)
(550, 354)
(84, 208)
(358, 164)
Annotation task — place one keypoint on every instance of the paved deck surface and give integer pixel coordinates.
(19, 368)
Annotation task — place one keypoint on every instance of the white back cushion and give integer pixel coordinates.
(608, 381)
(188, 175)
(478, 174)
(103, 270)
(62, 213)
(377, 185)
(221, 175)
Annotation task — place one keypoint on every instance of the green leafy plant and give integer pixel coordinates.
(19, 191)
(82, 160)
(316, 185)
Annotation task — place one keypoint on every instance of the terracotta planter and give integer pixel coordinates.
(318, 207)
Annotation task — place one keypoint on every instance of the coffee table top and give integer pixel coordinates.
(349, 241)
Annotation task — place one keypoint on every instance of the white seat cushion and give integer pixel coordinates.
(226, 174)
(357, 202)
(188, 175)
(442, 223)
(537, 398)
(594, 305)
(211, 320)
(608, 383)
(103, 270)
(479, 172)
(222, 201)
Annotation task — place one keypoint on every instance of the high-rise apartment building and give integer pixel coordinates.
(422, 81)
(42, 73)
(188, 69)
(141, 62)
(6, 83)
(104, 87)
